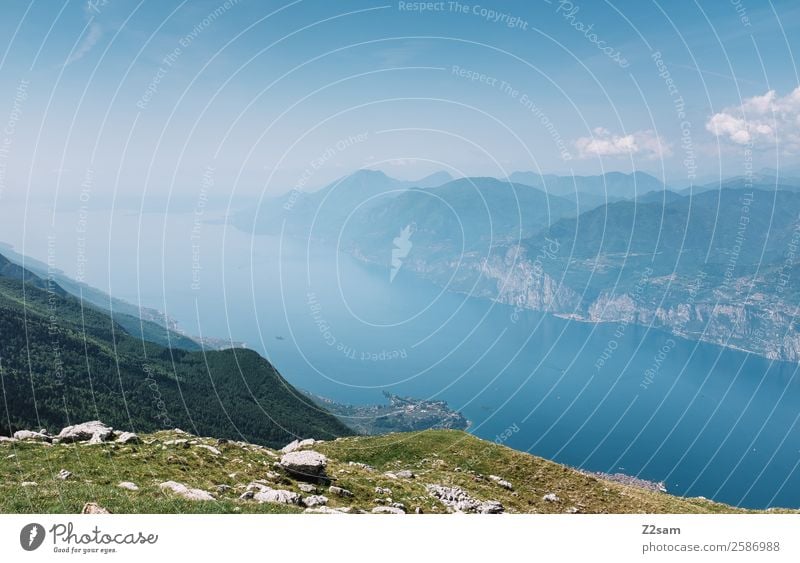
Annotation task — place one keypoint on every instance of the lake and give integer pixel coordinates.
(706, 420)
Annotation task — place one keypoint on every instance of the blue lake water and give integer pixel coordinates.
(713, 422)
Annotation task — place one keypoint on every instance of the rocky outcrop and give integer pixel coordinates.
(456, 499)
(307, 465)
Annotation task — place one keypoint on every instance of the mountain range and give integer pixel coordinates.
(716, 263)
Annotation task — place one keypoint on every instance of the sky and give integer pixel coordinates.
(125, 100)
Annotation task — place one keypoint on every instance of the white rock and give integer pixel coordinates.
(387, 510)
(306, 464)
(184, 491)
(315, 500)
(29, 435)
(64, 474)
(129, 438)
(94, 432)
(128, 485)
(405, 474)
(212, 449)
(291, 446)
(551, 497)
(323, 510)
(94, 508)
(277, 496)
(502, 482)
(334, 490)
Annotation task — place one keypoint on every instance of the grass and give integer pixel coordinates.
(359, 464)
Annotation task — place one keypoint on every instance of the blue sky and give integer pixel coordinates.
(138, 97)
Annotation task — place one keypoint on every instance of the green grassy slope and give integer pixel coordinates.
(358, 464)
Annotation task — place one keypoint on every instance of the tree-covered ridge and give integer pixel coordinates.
(63, 361)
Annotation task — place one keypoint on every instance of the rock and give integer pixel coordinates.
(93, 432)
(64, 474)
(491, 507)
(572, 510)
(334, 490)
(398, 505)
(307, 488)
(457, 499)
(315, 500)
(502, 482)
(128, 485)
(323, 510)
(277, 496)
(390, 475)
(307, 443)
(94, 508)
(184, 491)
(180, 442)
(258, 486)
(212, 449)
(405, 474)
(305, 464)
(30, 436)
(290, 447)
(418, 510)
(360, 465)
(387, 510)
(351, 510)
(383, 491)
(128, 438)
(6, 439)
(29, 484)
(551, 497)
(222, 489)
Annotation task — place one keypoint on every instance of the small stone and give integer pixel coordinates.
(277, 496)
(184, 491)
(307, 488)
(405, 474)
(64, 474)
(315, 500)
(212, 449)
(30, 484)
(551, 497)
(129, 438)
(387, 510)
(223, 488)
(383, 491)
(128, 485)
(334, 490)
(94, 508)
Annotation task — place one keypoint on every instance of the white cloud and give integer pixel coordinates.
(92, 37)
(604, 143)
(762, 121)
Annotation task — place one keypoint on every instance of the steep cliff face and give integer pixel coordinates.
(756, 321)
